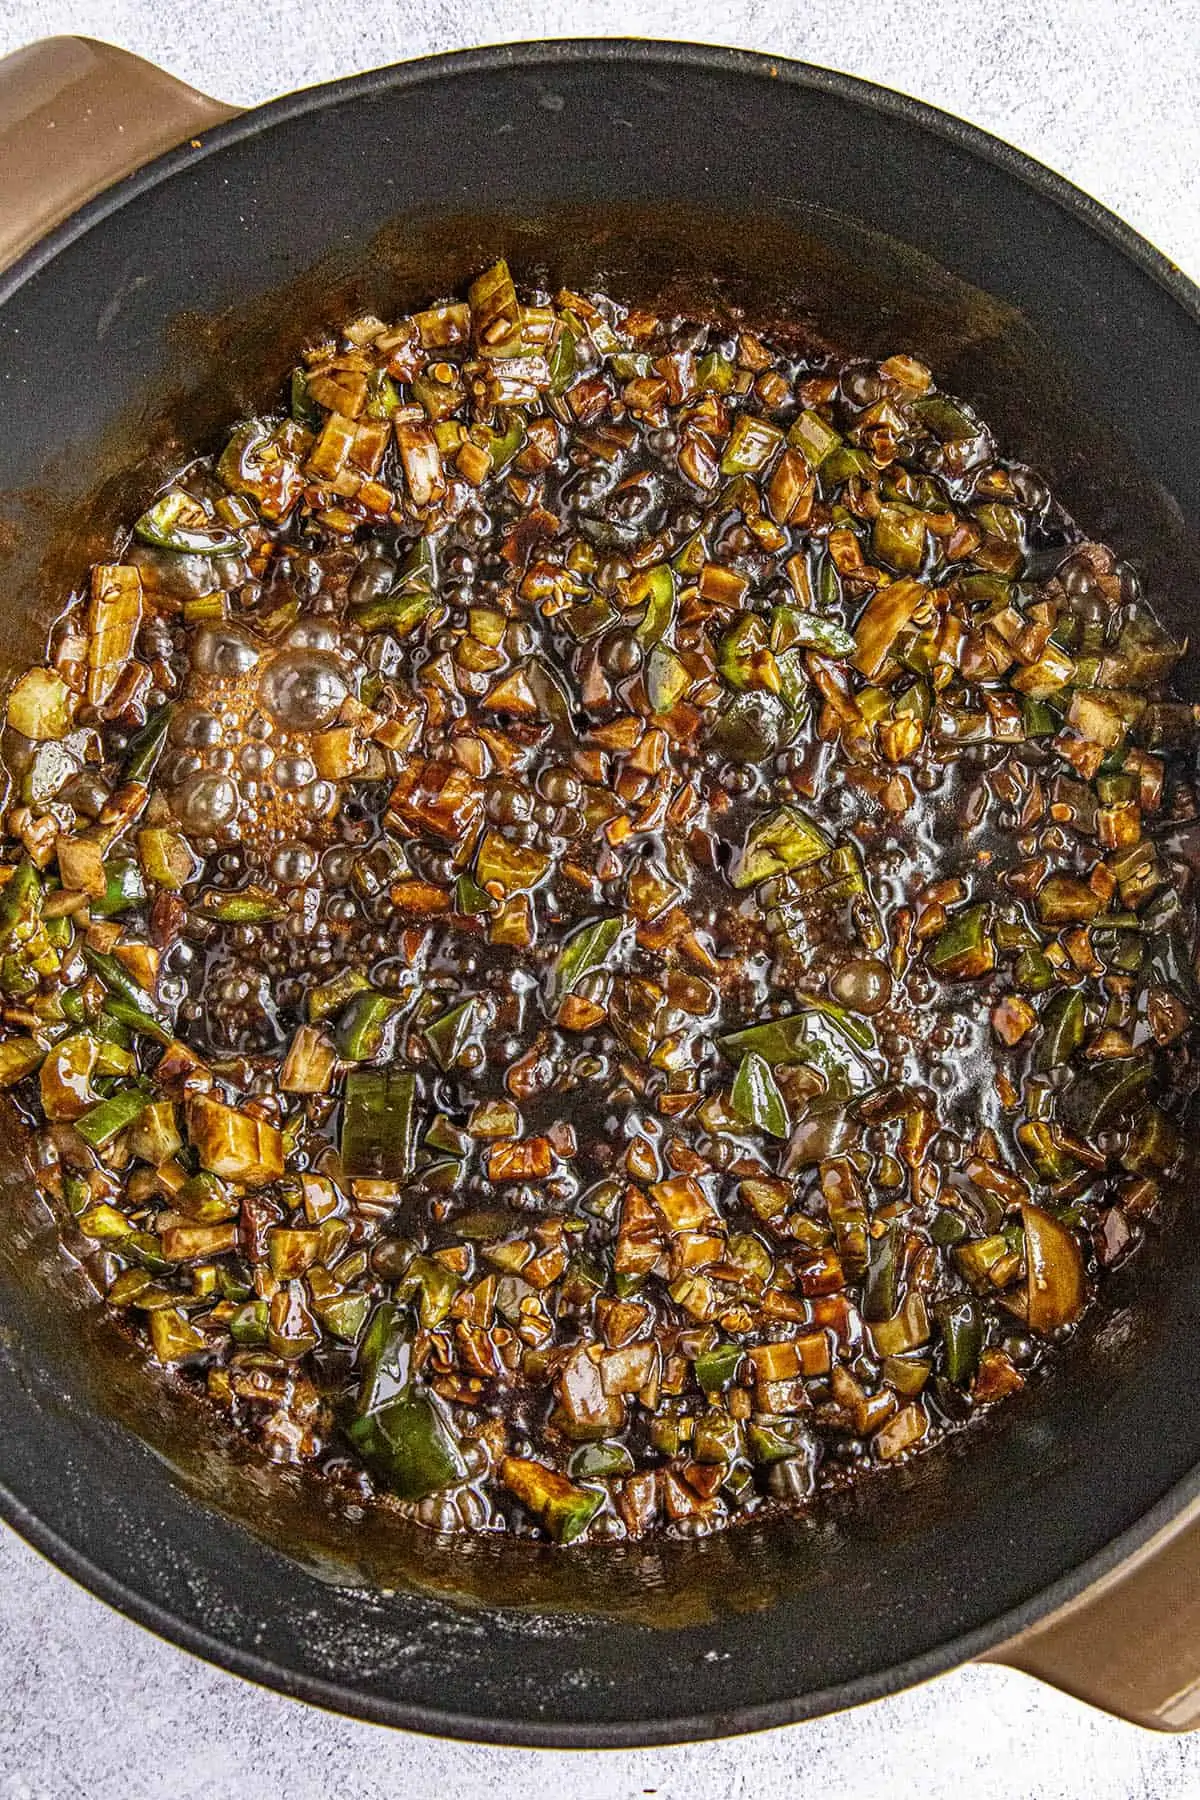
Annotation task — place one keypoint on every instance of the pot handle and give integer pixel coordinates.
(1130, 1644)
(75, 116)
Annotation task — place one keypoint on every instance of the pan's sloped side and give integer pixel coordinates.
(174, 304)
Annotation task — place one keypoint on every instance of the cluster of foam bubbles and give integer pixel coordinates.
(240, 765)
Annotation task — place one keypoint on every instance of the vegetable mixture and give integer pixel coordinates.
(596, 932)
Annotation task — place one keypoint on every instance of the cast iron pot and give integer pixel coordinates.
(171, 301)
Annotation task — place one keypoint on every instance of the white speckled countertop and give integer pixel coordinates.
(92, 1707)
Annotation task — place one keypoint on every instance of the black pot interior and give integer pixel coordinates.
(655, 172)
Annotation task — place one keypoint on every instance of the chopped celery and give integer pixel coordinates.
(751, 445)
(102, 1122)
(41, 706)
(178, 522)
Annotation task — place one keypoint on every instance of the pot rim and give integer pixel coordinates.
(685, 1728)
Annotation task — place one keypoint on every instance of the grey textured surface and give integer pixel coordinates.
(90, 1705)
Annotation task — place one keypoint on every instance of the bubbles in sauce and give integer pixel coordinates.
(245, 770)
(303, 689)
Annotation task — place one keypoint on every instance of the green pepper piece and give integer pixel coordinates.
(247, 906)
(383, 396)
(752, 727)
(596, 1461)
(248, 1326)
(123, 888)
(562, 360)
(794, 629)
(330, 997)
(692, 555)
(947, 421)
(449, 1035)
(344, 1315)
(786, 839)
(469, 897)
(161, 527)
(444, 1135)
(750, 446)
(587, 618)
(742, 651)
(1105, 1094)
(964, 950)
(881, 1296)
(17, 979)
(843, 464)
(502, 446)
(1167, 961)
(126, 1002)
(631, 365)
(564, 1509)
(757, 1099)
(359, 1033)
(1064, 1024)
(400, 612)
(799, 1040)
(585, 950)
(960, 1322)
(860, 1032)
(666, 1434)
(19, 1057)
(1042, 1145)
(145, 747)
(20, 905)
(666, 678)
(898, 539)
(432, 1287)
(496, 318)
(397, 1429)
(1033, 971)
(378, 1140)
(717, 1438)
(775, 1040)
(948, 1227)
(813, 438)
(656, 586)
(716, 1369)
(770, 1439)
(103, 1122)
(1153, 1143)
(301, 405)
(714, 373)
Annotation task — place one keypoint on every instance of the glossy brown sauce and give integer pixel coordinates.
(599, 931)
